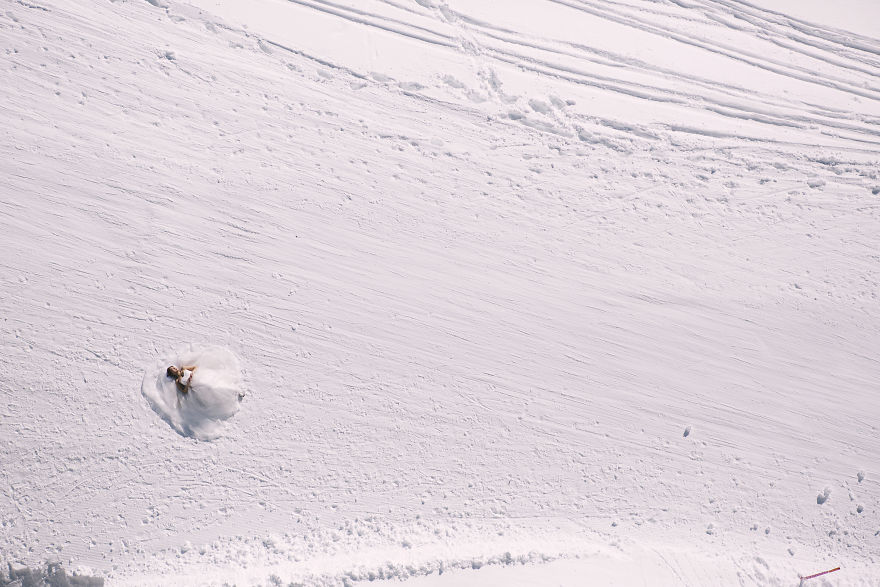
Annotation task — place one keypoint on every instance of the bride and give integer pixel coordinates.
(198, 393)
(182, 376)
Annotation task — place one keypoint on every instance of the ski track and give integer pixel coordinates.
(479, 290)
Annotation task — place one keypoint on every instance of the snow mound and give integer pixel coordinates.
(213, 398)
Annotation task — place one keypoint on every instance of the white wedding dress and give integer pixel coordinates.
(214, 396)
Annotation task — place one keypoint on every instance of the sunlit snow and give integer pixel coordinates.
(527, 292)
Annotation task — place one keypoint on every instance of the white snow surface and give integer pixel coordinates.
(213, 396)
(549, 292)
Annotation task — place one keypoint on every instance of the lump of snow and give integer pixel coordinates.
(687, 431)
(540, 106)
(823, 496)
(557, 102)
(214, 395)
(860, 476)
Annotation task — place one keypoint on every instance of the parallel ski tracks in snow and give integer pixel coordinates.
(848, 63)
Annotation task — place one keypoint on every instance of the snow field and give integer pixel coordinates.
(505, 294)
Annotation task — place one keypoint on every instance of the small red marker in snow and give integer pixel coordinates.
(818, 574)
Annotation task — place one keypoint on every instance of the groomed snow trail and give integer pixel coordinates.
(522, 291)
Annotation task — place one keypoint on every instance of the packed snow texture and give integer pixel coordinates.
(531, 291)
(214, 395)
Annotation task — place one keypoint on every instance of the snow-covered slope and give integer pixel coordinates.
(523, 292)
